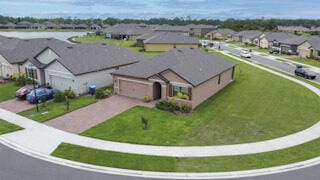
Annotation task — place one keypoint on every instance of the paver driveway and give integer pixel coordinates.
(16, 105)
(89, 116)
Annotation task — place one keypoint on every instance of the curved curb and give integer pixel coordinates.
(162, 175)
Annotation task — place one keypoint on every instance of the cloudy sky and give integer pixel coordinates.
(145, 9)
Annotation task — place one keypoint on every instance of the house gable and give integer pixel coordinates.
(174, 78)
(47, 56)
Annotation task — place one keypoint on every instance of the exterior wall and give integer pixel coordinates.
(40, 75)
(172, 77)
(287, 48)
(140, 43)
(7, 69)
(210, 87)
(305, 49)
(133, 37)
(166, 47)
(237, 38)
(264, 43)
(47, 56)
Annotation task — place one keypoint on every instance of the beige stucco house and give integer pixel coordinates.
(309, 48)
(220, 34)
(189, 71)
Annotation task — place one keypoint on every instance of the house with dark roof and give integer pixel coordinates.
(9, 26)
(80, 26)
(51, 25)
(8, 66)
(248, 36)
(291, 44)
(293, 29)
(176, 29)
(273, 39)
(95, 27)
(200, 30)
(220, 34)
(165, 41)
(310, 48)
(126, 31)
(189, 71)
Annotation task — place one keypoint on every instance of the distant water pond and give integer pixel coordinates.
(30, 35)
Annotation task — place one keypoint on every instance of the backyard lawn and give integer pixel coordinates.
(307, 61)
(53, 109)
(126, 44)
(256, 106)
(171, 164)
(6, 127)
(7, 91)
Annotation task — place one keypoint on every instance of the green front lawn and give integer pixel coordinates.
(126, 44)
(7, 91)
(257, 106)
(6, 127)
(171, 164)
(53, 109)
(261, 50)
(306, 61)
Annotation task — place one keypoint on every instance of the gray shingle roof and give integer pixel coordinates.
(315, 42)
(293, 28)
(167, 28)
(295, 41)
(127, 29)
(171, 38)
(249, 34)
(200, 26)
(278, 36)
(225, 31)
(193, 65)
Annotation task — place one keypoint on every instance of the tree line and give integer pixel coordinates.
(235, 24)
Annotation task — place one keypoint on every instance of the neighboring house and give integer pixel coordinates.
(95, 27)
(220, 34)
(309, 48)
(189, 71)
(291, 45)
(9, 26)
(23, 25)
(80, 26)
(126, 31)
(51, 25)
(315, 29)
(273, 39)
(166, 41)
(37, 26)
(104, 26)
(293, 29)
(66, 26)
(145, 36)
(176, 29)
(249, 36)
(200, 30)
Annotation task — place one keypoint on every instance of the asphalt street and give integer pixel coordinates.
(284, 66)
(17, 166)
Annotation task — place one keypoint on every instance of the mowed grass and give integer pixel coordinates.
(171, 164)
(257, 106)
(53, 109)
(126, 44)
(306, 61)
(6, 127)
(7, 91)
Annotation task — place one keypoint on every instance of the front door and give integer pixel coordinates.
(156, 91)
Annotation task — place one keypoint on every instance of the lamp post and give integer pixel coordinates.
(34, 90)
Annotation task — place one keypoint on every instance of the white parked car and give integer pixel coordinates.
(245, 54)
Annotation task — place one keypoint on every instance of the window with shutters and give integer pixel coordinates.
(31, 73)
(177, 89)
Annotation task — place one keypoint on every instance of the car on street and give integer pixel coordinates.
(274, 51)
(24, 91)
(245, 54)
(36, 95)
(305, 72)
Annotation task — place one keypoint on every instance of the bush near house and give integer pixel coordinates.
(103, 93)
(147, 99)
(61, 96)
(172, 106)
(181, 96)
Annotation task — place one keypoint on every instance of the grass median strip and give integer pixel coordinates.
(53, 109)
(171, 164)
(7, 91)
(257, 106)
(6, 127)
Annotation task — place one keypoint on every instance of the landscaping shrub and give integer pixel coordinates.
(142, 50)
(102, 93)
(186, 108)
(69, 93)
(22, 80)
(147, 99)
(59, 97)
(168, 105)
(182, 96)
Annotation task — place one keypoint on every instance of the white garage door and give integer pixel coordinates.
(132, 89)
(60, 83)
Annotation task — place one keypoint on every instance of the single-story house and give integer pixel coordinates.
(273, 39)
(249, 36)
(66, 26)
(200, 30)
(95, 27)
(145, 36)
(80, 26)
(79, 65)
(291, 45)
(309, 48)
(51, 25)
(9, 26)
(166, 41)
(220, 34)
(23, 25)
(293, 29)
(189, 71)
(126, 31)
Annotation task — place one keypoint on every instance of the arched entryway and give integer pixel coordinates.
(156, 91)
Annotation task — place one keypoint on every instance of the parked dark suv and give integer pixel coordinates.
(306, 73)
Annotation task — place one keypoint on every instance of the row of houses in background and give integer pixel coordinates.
(51, 25)
(62, 65)
(304, 46)
(298, 29)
